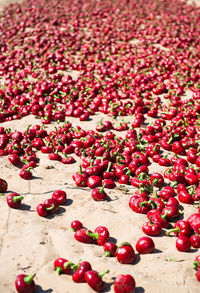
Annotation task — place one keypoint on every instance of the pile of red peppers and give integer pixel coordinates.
(137, 67)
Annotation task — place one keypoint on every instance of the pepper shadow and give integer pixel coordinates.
(137, 259)
(68, 202)
(113, 240)
(139, 290)
(109, 199)
(38, 289)
(56, 214)
(107, 286)
(25, 207)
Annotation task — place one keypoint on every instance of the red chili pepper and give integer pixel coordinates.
(110, 249)
(51, 205)
(60, 196)
(14, 159)
(109, 183)
(181, 228)
(185, 197)
(196, 263)
(62, 266)
(152, 229)
(160, 219)
(145, 245)
(166, 193)
(25, 283)
(125, 253)
(26, 173)
(3, 185)
(139, 205)
(14, 200)
(99, 194)
(41, 210)
(76, 225)
(156, 179)
(79, 271)
(94, 181)
(124, 284)
(100, 234)
(94, 280)
(183, 243)
(194, 221)
(195, 241)
(81, 236)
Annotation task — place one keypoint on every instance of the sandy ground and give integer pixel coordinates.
(29, 243)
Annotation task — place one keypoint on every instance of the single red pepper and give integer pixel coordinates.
(110, 249)
(94, 280)
(194, 221)
(14, 200)
(145, 245)
(94, 181)
(25, 283)
(185, 197)
(181, 228)
(125, 253)
(99, 194)
(196, 263)
(195, 241)
(183, 243)
(79, 271)
(109, 183)
(166, 193)
(100, 234)
(26, 173)
(81, 236)
(152, 229)
(3, 185)
(41, 210)
(62, 266)
(139, 205)
(51, 205)
(156, 179)
(14, 159)
(76, 225)
(124, 284)
(60, 196)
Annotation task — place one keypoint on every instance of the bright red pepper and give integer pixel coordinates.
(14, 200)
(25, 283)
(125, 253)
(145, 245)
(181, 228)
(100, 234)
(124, 284)
(110, 249)
(94, 280)
(79, 271)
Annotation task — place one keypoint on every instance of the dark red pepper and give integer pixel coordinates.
(110, 248)
(79, 271)
(14, 200)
